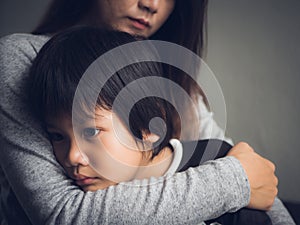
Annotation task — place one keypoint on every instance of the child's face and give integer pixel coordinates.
(95, 139)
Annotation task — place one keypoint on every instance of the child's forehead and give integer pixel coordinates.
(102, 113)
(99, 115)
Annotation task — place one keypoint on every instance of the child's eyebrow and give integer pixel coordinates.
(90, 119)
(100, 118)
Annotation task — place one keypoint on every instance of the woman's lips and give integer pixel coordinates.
(140, 24)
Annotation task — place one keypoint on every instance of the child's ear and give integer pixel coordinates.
(150, 137)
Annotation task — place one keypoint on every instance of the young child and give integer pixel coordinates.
(94, 143)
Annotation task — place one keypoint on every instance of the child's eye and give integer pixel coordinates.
(90, 132)
(55, 137)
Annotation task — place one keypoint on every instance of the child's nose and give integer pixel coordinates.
(75, 157)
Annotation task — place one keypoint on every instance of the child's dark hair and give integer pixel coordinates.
(61, 63)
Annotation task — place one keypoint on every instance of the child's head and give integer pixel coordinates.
(55, 75)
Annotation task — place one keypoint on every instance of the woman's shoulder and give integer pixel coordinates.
(17, 51)
(22, 43)
(24, 38)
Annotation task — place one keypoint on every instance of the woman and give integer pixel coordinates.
(32, 176)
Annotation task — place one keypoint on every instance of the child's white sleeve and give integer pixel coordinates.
(208, 126)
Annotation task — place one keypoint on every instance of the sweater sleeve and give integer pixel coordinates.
(39, 186)
(279, 215)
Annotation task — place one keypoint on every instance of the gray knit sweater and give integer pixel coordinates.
(34, 188)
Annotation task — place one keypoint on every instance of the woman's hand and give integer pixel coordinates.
(261, 176)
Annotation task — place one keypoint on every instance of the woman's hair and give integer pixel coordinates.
(61, 63)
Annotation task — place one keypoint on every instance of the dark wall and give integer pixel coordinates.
(20, 16)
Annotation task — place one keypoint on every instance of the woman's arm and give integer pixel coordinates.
(279, 214)
(33, 176)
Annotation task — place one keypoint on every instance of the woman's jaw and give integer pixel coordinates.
(131, 16)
